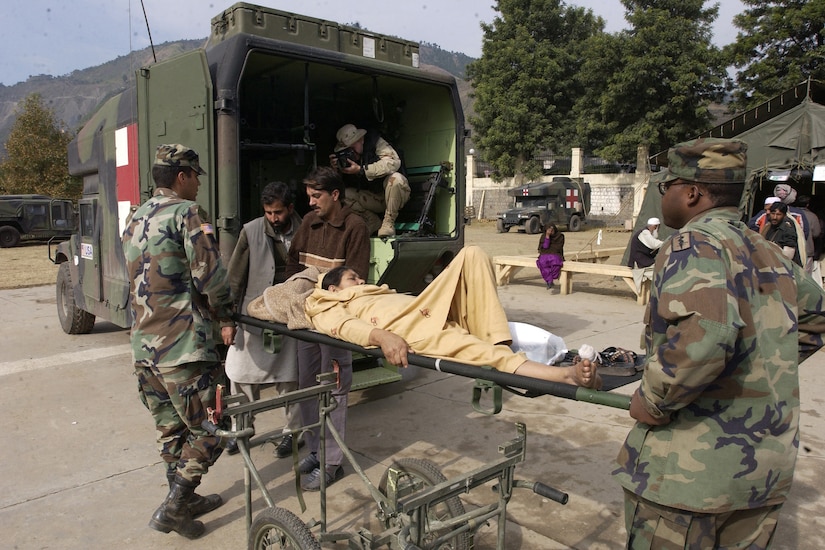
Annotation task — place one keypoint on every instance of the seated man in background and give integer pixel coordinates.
(644, 245)
(365, 157)
(457, 317)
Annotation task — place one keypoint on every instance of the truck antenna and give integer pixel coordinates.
(149, 31)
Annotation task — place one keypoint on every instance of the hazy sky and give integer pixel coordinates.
(56, 37)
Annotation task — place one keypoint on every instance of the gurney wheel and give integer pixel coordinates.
(281, 529)
(425, 471)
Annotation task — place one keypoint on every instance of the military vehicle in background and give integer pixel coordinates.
(564, 201)
(25, 218)
(262, 101)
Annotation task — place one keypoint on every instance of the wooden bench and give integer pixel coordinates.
(626, 273)
(507, 266)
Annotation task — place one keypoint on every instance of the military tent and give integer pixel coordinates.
(786, 144)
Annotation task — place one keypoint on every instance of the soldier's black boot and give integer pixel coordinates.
(174, 515)
(198, 505)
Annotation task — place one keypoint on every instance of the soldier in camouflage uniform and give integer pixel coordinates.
(178, 289)
(711, 458)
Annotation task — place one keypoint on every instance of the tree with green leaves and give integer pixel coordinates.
(36, 154)
(650, 85)
(526, 82)
(781, 44)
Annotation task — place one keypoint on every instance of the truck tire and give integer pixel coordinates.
(73, 320)
(9, 237)
(532, 226)
(501, 228)
(575, 224)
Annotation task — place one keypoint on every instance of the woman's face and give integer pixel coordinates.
(348, 279)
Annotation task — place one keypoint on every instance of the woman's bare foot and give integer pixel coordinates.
(584, 374)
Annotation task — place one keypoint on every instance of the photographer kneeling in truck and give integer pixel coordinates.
(368, 157)
(457, 317)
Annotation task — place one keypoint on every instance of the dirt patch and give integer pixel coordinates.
(483, 233)
(25, 266)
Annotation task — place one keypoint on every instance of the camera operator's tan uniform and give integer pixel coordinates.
(369, 204)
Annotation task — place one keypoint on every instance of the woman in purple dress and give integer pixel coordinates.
(551, 254)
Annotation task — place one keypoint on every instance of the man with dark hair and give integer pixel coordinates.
(781, 231)
(710, 460)
(367, 157)
(178, 289)
(331, 235)
(760, 219)
(259, 261)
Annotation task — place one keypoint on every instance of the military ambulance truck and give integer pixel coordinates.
(34, 218)
(564, 201)
(262, 101)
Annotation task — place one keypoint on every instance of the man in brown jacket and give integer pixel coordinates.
(330, 235)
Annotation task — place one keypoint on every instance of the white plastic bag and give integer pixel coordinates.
(538, 344)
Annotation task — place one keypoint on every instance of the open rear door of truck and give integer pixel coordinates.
(175, 105)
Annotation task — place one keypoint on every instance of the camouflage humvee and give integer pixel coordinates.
(564, 201)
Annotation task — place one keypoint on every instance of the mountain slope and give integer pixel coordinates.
(75, 96)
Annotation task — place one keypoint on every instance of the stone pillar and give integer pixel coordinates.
(576, 162)
(642, 177)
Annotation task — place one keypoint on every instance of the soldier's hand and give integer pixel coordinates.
(640, 414)
(228, 335)
(351, 168)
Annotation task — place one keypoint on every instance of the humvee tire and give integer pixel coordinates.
(575, 224)
(532, 226)
(73, 320)
(9, 237)
(500, 227)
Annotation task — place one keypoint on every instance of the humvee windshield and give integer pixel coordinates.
(541, 202)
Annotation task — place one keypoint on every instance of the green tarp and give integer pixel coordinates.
(786, 140)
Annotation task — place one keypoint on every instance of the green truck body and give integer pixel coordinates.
(25, 218)
(262, 101)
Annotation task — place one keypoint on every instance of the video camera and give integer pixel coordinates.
(343, 157)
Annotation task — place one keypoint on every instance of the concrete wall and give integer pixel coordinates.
(615, 199)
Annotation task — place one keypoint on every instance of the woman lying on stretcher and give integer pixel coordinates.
(458, 317)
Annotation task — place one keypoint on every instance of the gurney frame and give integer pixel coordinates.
(417, 506)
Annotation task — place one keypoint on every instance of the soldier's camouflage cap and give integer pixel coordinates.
(178, 156)
(708, 160)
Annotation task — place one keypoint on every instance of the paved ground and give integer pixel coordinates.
(81, 470)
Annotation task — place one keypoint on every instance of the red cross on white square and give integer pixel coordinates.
(572, 198)
(525, 192)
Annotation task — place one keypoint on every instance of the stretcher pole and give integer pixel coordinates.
(532, 385)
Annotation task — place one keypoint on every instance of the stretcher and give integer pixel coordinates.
(489, 377)
(418, 507)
